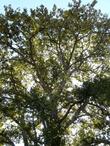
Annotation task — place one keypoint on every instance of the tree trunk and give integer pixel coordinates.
(25, 140)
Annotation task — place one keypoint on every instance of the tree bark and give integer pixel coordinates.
(25, 138)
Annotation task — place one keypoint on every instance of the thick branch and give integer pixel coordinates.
(68, 111)
(76, 114)
(71, 54)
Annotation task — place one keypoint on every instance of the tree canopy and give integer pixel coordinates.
(55, 76)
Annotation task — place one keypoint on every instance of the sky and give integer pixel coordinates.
(104, 5)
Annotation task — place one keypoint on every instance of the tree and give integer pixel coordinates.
(95, 128)
(44, 55)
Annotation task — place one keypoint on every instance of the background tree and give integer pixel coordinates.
(54, 77)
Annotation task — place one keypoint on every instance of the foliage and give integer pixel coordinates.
(43, 56)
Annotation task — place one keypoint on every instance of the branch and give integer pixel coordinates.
(68, 111)
(66, 114)
(104, 141)
(6, 139)
(71, 54)
(102, 108)
(76, 114)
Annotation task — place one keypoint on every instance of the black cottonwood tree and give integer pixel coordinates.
(43, 56)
